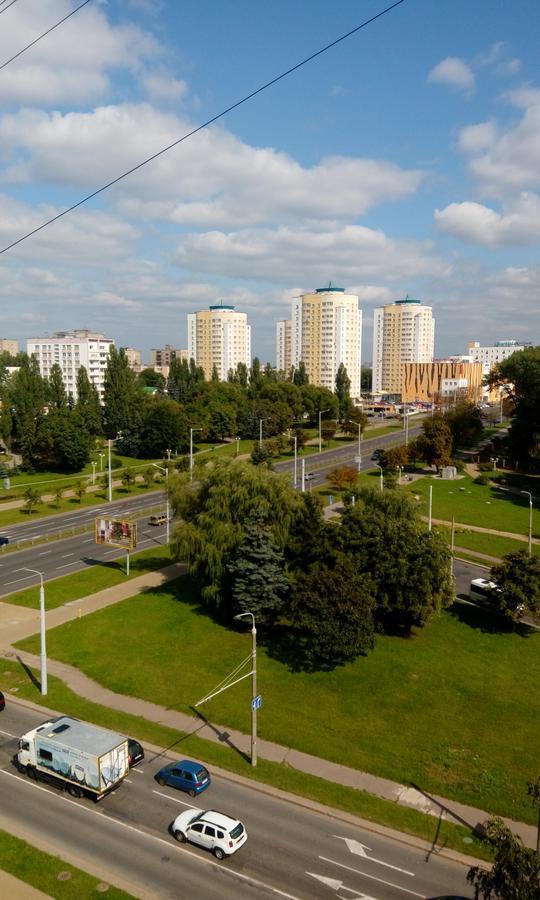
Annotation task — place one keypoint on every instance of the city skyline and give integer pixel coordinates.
(403, 161)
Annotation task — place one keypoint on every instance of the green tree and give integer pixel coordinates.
(58, 494)
(123, 400)
(258, 582)
(366, 378)
(27, 396)
(185, 380)
(55, 391)
(394, 457)
(533, 790)
(519, 378)
(213, 513)
(149, 476)
(151, 378)
(518, 579)
(301, 438)
(409, 567)
(62, 442)
(328, 430)
(465, 422)
(300, 376)
(332, 610)
(343, 393)
(32, 499)
(356, 417)
(342, 477)
(88, 406)
(128, 479)
(163, 426)
(79, 489)
(515, 873)
(260, 455)
(434, 446)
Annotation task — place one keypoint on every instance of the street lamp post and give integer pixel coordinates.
(191, 430)
(166, 470)
(237, 447)
(303, 474)
(406, 425)
(254, 697)
(321, 411)
(530, 519)
(101, 454)
(261, 430)
(94, 464)
(109, 442)
(43, 654)
(430, 505)
(381, 481)
(400, 470)
(168, 452)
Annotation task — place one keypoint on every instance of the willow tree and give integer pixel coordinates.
(215, 513)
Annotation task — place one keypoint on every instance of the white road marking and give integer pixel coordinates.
(65, 555)
(26, 577)
(398, 887)
(152, 837)
(168, 797)
(8, 733)
(339, 885)
(44, 552)
(66, 565)
(360, 850)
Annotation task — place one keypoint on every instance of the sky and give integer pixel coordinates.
(404, 160)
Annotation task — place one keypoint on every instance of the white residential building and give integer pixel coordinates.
(403, 332)
(71, 350)
(219, 338)
(283, 346)
(326, 331)
(490, 356)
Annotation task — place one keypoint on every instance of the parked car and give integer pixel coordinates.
(2, 701)
(3, 540)
(376, 455)
(210, 829)
(135, 753)
(186, 776)
(157, 520)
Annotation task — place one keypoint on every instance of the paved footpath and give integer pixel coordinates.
(78, 682)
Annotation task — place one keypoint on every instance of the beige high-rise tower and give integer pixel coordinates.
(403, 332)
(219, 338)
(326, 330)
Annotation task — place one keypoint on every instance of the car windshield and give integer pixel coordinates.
(237, 831)
(200, 775)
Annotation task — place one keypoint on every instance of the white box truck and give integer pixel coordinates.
(81, 758)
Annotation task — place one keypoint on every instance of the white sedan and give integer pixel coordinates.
(210, 829)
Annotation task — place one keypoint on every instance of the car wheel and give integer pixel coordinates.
(74, 791)
(162, 782)
(180, 837)
(31, 772)
(218, 853)
(192, 793)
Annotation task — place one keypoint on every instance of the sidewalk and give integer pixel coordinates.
(12, 888)
(85, 687)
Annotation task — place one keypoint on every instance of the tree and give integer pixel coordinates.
(533, 790)
(518, 377)
(32, 499)
(518, 580)
(328, 430)
(332, 610)
(27, 396)
(213, 513)
(343, 393)
(58, 493)
(435, 444)
(394, 457)
(127, 479)
(300, 376)
(88, 406)
(62, 441)
(409, 567)
(343, 477)
(301, 438)
(356, 418)
(151, 378)
(123, 399)
(465, 422)
(259, 584)
(79, 489)
(185, 380)
(55, 390)
(260, 455)
(515, 874)
(163, 426)
(366, 377)
(149, 475)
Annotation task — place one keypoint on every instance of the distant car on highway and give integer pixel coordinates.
(4, 540)
(185, 775)
(2, 701)
(157, 520)
(376, 455)
(210, 829)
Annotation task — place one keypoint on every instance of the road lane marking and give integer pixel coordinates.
(146, 834)
(26, 577)
(176, 800)
(398, 887)
(65, 566)
(360, 850)
(44, 552)
(8, 733)
(337, 885)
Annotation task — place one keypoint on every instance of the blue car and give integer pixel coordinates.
(185, 775)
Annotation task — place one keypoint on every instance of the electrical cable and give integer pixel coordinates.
(6, 7)
(45, 33)
(208, 122)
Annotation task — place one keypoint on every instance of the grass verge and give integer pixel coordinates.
(47, 873)
(383, 812)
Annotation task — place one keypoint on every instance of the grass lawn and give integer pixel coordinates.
(454, 709)
(89, 581)
(42, 871)
(475, 504)
(490, 544)
(17, 679)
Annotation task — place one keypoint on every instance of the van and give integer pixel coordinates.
(161, 519)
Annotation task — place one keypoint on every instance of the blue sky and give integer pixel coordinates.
(404, 160)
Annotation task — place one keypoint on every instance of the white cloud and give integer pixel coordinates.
(160, 86)
(475, 138)
(518, 224)
(214, 179)
(454, 72)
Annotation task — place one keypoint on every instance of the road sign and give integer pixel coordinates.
(256, 703)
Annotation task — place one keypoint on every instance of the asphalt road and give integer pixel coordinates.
(291, 851)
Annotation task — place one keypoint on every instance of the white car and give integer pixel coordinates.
(210, 829)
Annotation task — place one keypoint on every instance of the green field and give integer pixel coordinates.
(454, 709)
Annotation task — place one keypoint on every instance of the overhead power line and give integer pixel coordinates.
(6, 7)
(208, 122)
(41, 36)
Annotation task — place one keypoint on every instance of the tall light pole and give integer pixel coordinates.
(166, 470)
(43, 655)
(295, 439)
(406, 425)
(430, 505)
(254, 698)
(381, 481)
(191, 430)
(261, 430)
(94, 464)
(101, 454)
(321, 411)
(303, 474)
(530, 519)
(237, 447)
(109, 442)
(168, 452)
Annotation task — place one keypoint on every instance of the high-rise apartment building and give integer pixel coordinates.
(163, 356)
(490, 356)
(283, 346)
(9, 346)
(71, 350)
(403, 332)
(326, 331)
(219, 338)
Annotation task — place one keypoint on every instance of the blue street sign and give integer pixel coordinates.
(256, 703)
